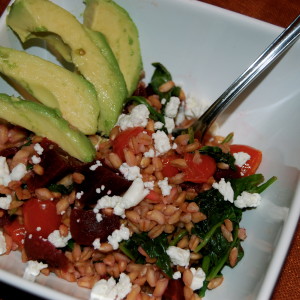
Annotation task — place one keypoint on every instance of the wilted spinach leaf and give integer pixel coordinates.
(155, 248)
(60, 188)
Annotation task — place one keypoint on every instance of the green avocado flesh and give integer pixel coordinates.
(54, 86)
(47, 122)
(121, 33)
(28, 18)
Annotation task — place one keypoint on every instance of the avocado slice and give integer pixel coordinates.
(54, 86)
(47, 122)
(114, 22)
(35, 18)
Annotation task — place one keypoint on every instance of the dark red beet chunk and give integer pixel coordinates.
(5, 218)
(9, 152)
(85, 228)
(100, 182)
(56, 163)
(40, 249)
(228, 174)
(192, 185)
(174, 290)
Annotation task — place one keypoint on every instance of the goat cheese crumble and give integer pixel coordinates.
(133, 196)
(247, 199)
(198, 278)
(130, 173)
(17, 173)
(225, 189)
(161, 142)
(178, 256)
(33, 269)
(241, 158)
(118, 235)
(5, 202)
(172, 106)
(59, 241)
(110, 289)
(164, 186)
(137, 118)
(38, 149)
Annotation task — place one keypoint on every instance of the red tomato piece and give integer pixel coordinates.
(251, 164)
(153, 196)
(168, 170)
(199, 170)
(40, 217)
(16, 231)
(123, 138)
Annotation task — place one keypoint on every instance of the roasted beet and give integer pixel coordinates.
(99, 182)
(40, 249)
(9, 152)
(198, 187)
(174, 290)
(5, 218)
(56, 164)
(227, 173)
(85, 228)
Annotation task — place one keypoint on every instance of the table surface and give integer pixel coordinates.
(287, 286)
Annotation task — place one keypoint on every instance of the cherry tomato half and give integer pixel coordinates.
(40, 217)
(16, 231)
(251, 164)
(199, 170)
(123, 138)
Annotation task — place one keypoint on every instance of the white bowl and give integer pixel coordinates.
(205, 48)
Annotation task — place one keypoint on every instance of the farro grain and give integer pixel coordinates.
(198, 217)
(156, 231)
(78, 177)
(187, 277)
(192, 207)
(160, 287)
(114, 133)
(105, 247)
(180, 199)
(187, 292)
(156, 216)
(183, 243)
(150, 125)
(145, 162)
(194, 242)
(159, 175)
(43, 194)
(165, 87)
(186, 217)
(192, 147)
(63, 230)
(62, 205)
(195, 256)
(182, 140)
(134, 293)
(115, 160)
(174, 218)
(226, 233)
(169, 228)
(223, 166)
(179, 163)
(233, 256)
(242, 234)
(215, 282)
(228, 225)
(38, 169)
(149, 170)
(130, 157)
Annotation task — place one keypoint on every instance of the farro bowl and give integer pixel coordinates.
(204, 48)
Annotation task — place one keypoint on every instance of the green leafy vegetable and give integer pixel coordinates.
(228, 138)
(160, 76)
(60, 188)
(219, 156)
(155, 248)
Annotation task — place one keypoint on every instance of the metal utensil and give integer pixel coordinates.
(283, 42)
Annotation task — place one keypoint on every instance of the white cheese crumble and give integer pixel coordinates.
(130, 173)
(79, 195)
(110, 289)
(178, 256)
(177, 275)
(198, 278)
(35, 159)
(172, 106)
(225, 189)
(241, 158)
(194, 108)
(2, 243)
(133, 196)
(38, 148)
(96, 165)
(169, 124)
(96, 243)
(149, 153)
(99, 217)
(247, 199)
(5, 202)
(17, 172)
(137, 118)
(118, 235)
(161, 142)
(149, 185)
(33, 269)
(164, 186)
(158, 125)
(58, 240)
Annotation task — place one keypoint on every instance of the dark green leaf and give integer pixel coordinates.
(60, 188)
(218, 155)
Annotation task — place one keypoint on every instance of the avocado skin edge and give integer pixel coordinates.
(46, 122)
